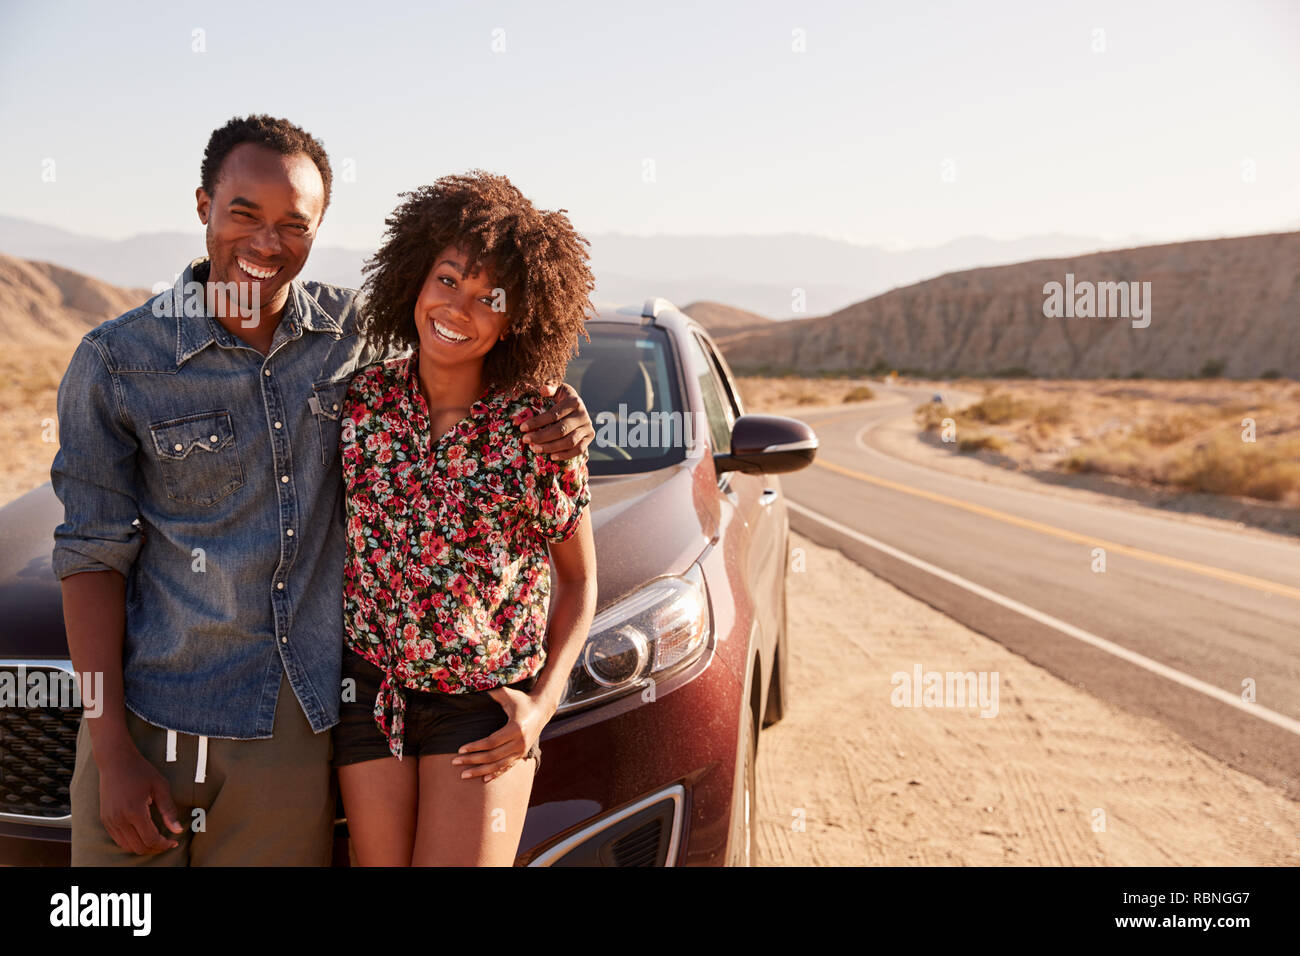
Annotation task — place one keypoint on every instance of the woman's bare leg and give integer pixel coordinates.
(380, 798)
(466, 822)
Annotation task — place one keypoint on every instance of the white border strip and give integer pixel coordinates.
(1186, 680)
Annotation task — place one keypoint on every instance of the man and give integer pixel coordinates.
(202, 546)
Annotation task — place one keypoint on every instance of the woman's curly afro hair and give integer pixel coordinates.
(534, 255)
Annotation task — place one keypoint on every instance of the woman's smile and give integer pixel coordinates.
(448, 335)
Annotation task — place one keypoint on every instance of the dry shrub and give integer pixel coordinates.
(1225, 465)
(1276, 481)
(1115, 454)
(930, 416)
(980, 442)
(1168, 429)
(1079, 461)
(1058, 413)
(997, 408)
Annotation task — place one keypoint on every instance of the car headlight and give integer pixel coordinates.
(658, 629)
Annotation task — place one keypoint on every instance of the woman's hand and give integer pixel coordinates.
(563, 430)
(491, 756)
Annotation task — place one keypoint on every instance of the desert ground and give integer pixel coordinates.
(29, 383)
(847, 778)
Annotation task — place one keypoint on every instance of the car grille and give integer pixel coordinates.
(38, 746)
(646, 833)
(640, 847)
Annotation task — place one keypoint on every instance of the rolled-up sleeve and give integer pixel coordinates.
(94, 471)
(562, 494)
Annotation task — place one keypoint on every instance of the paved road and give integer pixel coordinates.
(1182, 615)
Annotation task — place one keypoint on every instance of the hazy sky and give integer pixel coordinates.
(901, 124)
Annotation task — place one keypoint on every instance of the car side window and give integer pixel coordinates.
(725, 377)
(717, 408)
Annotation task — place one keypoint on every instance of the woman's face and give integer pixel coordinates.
(455, 315)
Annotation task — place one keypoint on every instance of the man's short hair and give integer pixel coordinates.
(277, 134)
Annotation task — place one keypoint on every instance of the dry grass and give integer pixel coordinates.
(29, 384)
(980, 441)
(1178, 435)
(763, 394)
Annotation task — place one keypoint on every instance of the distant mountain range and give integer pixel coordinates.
(47, 305)
(781, 276)
(1231, 304)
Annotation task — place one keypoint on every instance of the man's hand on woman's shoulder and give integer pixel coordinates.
(564, 430)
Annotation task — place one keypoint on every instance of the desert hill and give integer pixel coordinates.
(722, 319)
(1230, 301)
(47, 305)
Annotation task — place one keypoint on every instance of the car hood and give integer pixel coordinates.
(644, 526)
(31, 599)
(649, 525)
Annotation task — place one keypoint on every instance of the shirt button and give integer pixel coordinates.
(284, 478)
(277, 424)
(178, 447)
(266, 371)
(289, 533)
(284, 640)
(279, 585)
(336, 408)
(212, 438)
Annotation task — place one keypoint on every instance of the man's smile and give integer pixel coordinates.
(254, 272)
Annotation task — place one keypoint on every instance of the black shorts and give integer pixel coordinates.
(436, 723)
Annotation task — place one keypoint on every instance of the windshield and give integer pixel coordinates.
(627, 378)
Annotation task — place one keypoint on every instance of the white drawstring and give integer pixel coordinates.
(201, 769)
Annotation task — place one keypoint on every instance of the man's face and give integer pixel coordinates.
(262, 219)
(454, 315)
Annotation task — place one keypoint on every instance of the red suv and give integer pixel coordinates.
(650, 759)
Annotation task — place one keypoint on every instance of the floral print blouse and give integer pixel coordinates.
(447, 581)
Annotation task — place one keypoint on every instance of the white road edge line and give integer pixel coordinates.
(1078, 633)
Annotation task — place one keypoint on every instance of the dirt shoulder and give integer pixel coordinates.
(876, 784)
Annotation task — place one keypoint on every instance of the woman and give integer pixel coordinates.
(450, 521)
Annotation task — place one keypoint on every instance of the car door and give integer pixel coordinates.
(754, 498)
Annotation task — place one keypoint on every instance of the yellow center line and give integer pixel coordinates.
(853, 414)
(1259, 584)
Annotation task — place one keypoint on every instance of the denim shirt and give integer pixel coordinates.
(229, 459)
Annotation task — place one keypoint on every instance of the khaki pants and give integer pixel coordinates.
(263, 802)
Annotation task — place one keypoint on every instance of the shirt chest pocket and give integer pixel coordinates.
(199, 457)
(326, 405)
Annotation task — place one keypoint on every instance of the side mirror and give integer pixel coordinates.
(768, 444)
